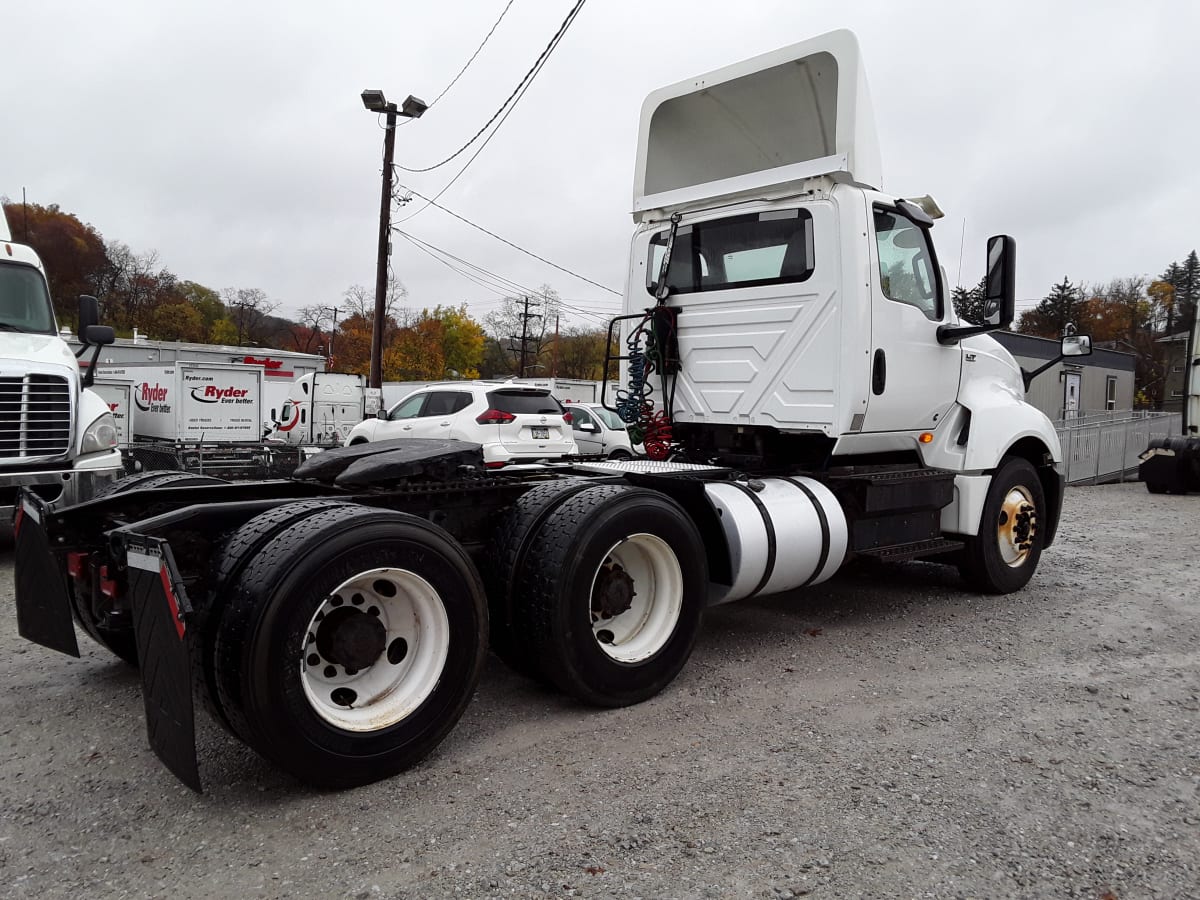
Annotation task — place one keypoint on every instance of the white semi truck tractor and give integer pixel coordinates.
(791, 359)
(57, 438)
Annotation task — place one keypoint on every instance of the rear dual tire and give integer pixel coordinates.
(350, 644)
(609, 594)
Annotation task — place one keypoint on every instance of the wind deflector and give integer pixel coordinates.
(791, 114)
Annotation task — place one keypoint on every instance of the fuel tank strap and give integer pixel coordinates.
(769, 568)
(824, 557)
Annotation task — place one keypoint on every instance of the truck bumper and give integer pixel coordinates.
(63, 484)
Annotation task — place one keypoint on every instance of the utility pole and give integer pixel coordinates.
(332, 332)
(385, 247)
(412, 108)
(526, 315)
(554, 364)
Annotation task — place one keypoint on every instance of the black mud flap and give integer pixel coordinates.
(43, 607)
(160, 616)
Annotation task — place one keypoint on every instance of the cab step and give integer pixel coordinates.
(912, 550)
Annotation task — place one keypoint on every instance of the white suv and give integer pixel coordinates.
(513, 423)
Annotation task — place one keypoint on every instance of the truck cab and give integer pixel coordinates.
(810, 319)
(57, 438)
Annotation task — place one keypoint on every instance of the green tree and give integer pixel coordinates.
(223, 331)
(1062, 306)
(969, 303)
(176, 322)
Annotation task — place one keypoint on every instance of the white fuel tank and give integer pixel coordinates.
(782, 533)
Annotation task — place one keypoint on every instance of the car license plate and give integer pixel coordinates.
(540, 434)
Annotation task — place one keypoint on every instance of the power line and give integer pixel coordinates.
(530, 253)
(486, 38)
(529, 76)
(498, 284)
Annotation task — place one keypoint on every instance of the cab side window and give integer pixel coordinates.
(908, 271)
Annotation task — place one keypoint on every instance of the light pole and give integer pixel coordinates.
(412, 108)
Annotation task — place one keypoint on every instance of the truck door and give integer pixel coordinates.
(913, 378)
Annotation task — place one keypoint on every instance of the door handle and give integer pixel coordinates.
(445, 424)
(408, 428)
(879, 372)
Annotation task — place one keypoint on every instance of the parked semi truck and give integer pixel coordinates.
(790, 350)
(57, 437)
(1171, 465)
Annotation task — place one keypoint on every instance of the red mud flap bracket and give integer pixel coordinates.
(43, 607)
(160, 620)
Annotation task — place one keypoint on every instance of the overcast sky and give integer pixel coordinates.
(230, 137)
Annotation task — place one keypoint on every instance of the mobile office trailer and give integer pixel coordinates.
(790, 356)
(193, 402)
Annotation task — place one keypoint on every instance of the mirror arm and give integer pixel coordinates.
(89, 377)
(1027, 377)
(952, 334)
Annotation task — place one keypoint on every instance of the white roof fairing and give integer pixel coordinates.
(787, 115)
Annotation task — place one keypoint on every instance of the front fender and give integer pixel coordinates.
(1000, 419)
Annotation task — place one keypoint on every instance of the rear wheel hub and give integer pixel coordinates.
(613, 592)
(351, 638)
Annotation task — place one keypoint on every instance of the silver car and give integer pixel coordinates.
(600, 431)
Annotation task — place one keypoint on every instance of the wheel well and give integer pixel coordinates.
(358, 440)
(1038, 455)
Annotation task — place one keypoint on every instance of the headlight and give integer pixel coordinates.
(100, 435)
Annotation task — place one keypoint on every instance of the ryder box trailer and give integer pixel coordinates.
(790, 355)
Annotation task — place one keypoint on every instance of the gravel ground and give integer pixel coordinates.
(885, 735)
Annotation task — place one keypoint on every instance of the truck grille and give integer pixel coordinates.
(35, 417)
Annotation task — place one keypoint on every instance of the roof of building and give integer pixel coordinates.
(1032, 347)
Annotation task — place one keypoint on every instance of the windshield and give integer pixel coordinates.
(608, 417)
(24, 301)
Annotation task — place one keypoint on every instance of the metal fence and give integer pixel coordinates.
(1103, 446)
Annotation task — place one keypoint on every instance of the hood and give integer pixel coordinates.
(21, 353)
(994, 360)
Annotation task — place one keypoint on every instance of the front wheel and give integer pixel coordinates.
(610, 594)
(1003, 556)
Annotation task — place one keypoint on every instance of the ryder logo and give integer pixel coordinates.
(210, 393)
(151, 397)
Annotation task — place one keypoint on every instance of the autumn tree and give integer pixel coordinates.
(204, 300)
(72, 252)
(249, 310)
(581, 353)
(358, 300)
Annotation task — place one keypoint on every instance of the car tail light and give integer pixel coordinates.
(567, 416)
(495, 417)
(494, 465)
